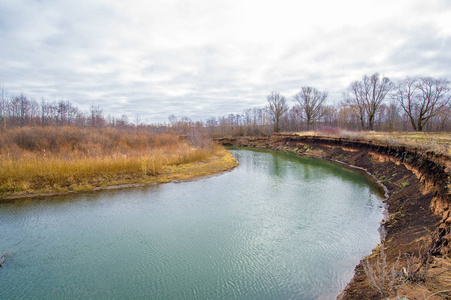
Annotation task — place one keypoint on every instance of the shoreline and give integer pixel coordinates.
(217, 164)
(418, 200)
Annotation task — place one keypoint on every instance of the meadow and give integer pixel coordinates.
(36, 160)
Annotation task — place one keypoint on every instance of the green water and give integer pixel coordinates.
(277, 227)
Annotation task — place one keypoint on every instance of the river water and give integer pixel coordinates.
(276, 227)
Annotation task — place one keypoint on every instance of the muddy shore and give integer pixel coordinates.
(418, 203)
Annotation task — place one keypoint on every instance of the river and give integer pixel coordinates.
(276, 227)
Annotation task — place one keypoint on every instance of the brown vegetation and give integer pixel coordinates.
(58, 159)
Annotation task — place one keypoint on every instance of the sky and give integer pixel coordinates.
(203, 58)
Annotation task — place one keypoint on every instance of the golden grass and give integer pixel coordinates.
(102, 158)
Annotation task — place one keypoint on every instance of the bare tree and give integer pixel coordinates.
(96, 117)
(366, 96)
(443, 117)
(3, 109)
(172, 120)
(311, 102)
(66, 112)
(277, 108)
(422, 99)
(355, 104)
(48, 113)
(19, 110)
(330, 115)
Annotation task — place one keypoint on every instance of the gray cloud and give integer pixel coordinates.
(202, 58)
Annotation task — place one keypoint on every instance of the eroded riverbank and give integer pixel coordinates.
(418, 203)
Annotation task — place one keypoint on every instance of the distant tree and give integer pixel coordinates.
(330, 115)
(3, 109)
(310, 102)
(48, 113)
(96, 118)
(66, 112)
(211, 125)
(122, 122)
(389, 117)
(444, 117)
(20, 108)
(422, 99)
(278, 107)
(365, 97)
(172, 120)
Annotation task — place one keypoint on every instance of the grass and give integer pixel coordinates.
(439, 142)
(436, 141)
(47, 160)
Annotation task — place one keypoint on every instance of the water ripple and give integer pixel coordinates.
(277, 227)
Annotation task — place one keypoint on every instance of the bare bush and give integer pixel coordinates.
(383, 277)
(416, 267)
(408, 267)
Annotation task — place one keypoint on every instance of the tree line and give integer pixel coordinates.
(19, 111)
(372, 103)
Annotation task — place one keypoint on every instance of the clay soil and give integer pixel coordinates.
(417, 201)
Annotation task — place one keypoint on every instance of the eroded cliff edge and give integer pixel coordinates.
(419, 198)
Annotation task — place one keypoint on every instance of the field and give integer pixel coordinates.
(38, 160)
(439, 142)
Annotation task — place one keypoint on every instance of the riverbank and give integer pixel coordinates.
(57, 160)
(418, 222)
(221, 161)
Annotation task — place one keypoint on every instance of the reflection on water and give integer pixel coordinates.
(277, 227)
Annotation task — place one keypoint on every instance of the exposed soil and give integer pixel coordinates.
(418, 201)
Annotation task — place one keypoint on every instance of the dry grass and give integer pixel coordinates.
(439, 142)
(41, 160)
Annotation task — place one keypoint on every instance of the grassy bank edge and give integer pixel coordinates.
(221, 161)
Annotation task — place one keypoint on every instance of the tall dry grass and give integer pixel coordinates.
(44, 159)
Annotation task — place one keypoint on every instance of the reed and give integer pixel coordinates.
(37, 160)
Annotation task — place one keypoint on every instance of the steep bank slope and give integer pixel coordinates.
(418, 185)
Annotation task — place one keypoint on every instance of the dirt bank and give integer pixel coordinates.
(419, 217)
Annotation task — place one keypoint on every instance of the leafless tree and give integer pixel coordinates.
(311, 102)
(19, 110)
(278, 107)
(330, 115)
(172, 120)
(48, 113)
(66, 112)
(366, 96)
(211, 125)
(422, 99)
(353, 103)
(3, 109)
(96, 117)
(443, 117)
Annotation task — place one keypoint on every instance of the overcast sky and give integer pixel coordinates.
(201, 58)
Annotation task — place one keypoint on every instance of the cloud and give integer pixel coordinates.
(201, 58)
